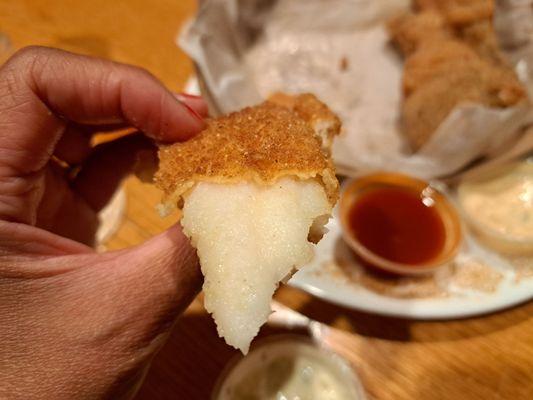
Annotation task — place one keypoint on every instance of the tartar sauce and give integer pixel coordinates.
(503, 202)
(288, 371)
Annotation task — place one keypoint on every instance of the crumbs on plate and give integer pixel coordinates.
(475, 275)
(463, 275)
(523, 267)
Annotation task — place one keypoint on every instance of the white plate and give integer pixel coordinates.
(316, 280)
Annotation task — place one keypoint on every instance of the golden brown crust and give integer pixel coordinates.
(452, 58)
(428, 107)
(433, 89)
(324, 122)
(482, 38)
(259, 144)
(438, 58)
(472, 20)
(410, 31)
(309, 108)
(459, 12)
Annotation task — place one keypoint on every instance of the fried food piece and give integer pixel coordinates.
(321, 119)
(438, 58)
(472, 81)
(472, 22)
(481, 37)
(452, 57)
(459, 12)
(259, 144)
(410, 31)
(256, 188)
(426, 109)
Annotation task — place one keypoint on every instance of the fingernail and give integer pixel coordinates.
(192, 111)
(181, 96)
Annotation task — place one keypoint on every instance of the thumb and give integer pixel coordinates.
(160, 276)
(76, 319)
(133, 296)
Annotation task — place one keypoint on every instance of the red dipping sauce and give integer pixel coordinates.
(395, 224)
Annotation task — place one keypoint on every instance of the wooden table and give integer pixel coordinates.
(489, 357)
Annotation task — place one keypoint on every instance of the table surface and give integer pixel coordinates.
(489, 357)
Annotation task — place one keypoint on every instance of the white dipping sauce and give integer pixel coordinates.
(502, 203)
(289, 370)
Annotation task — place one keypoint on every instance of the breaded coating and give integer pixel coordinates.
(260, 144)
(474, 81)
(459, 12)
(410, 31)
(482, 38)
(437, 19)
(438, 78)
(438, 58)
(324, 122)
(452, 57)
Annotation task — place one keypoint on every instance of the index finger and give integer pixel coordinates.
(41, 88)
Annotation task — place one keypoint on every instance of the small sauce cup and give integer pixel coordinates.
(450, 229)
(503, 202)
(276, 363)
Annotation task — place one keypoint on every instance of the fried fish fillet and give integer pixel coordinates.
(452, 58)
(481, 37)
(472, 22)
(459, 12)
(469, 82)
(409, 31)
(439, 78)
(439, 58)
(255, 189)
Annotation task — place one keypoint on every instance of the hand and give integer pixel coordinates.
(75, 324)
